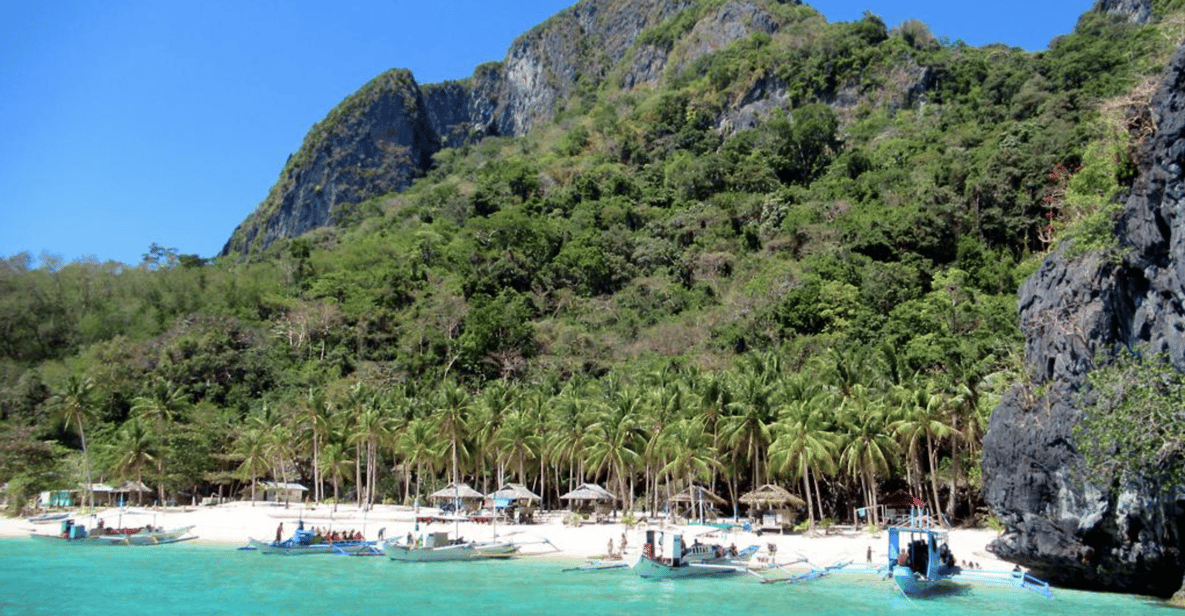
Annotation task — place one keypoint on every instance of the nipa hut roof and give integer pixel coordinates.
(696, 494)
(769, 495)
(133, 486)
(900, 500)
(589, 491)
(515, 491)
(456, 490)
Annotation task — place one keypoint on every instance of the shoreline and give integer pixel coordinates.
(231, 524)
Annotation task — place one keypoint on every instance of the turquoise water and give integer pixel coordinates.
(187, 578)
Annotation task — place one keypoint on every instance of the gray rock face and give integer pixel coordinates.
(1125, 537)
(1136, 11)
(375, 142)
(382, 138)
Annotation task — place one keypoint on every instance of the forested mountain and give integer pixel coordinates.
(715, 242)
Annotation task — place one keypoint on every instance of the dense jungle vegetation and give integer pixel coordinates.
(634, 296)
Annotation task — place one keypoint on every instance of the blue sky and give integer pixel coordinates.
(129, 122)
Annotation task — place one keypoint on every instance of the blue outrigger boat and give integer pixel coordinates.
(921, 564)
(305, 542)
(924, 566)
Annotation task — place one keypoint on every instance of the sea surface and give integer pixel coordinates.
(188, 578)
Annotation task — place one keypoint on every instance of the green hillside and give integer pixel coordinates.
(640, 294)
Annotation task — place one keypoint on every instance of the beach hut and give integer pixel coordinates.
(129, 491)
(103, 494)
(457, 493)
(894, 508)
(771, 506)
(278, 492)
(698, 500)
(591, 497)
(514, 499)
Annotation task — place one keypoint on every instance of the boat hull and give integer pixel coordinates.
(913, 585)
(447, 553)
(647, 567)
(290, 548)
(468, 550)
(175, 535)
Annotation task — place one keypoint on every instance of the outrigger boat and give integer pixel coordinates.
(664, 556)
(438, 547)
(922, 566)
(305, 542)
(48, 518)
(145, 535)
(925, 567)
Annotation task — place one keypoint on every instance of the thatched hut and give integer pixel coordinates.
(131, 490)
(591, 498)
(514, 499)
(698, 500)
(770, 506)
(453, 497)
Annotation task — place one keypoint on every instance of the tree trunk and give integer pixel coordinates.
(954, 477)
(933, 474)
(818, 495)
(806, 485)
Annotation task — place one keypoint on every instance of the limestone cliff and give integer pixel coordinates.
(383, 137)
(1126, 537)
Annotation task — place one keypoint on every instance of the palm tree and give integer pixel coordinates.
(568, 434)
(278, 449)
(163, 405)
(73, 405)
(747, 428)
(318, 413)
(251, 447)
(690, 451)
(868, 443)
(452, 421)
(358, 399)
(804, 445)
(137, 451)
(921, 423)
(616, 441)
(371, 428)
(336, 462)
(497, 400)
(518, 440)
(419, 446)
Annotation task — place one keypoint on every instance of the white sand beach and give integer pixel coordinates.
(232, 524)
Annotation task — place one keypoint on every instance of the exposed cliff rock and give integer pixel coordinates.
(1125, 537)
(1136, 11)
(383, 137)
(376, 141)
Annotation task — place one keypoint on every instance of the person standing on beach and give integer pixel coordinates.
(279, 532)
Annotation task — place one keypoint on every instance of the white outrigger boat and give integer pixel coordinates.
(145, 535)
(664, 556)
(438, 547)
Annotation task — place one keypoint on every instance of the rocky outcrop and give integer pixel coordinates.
(382, 138)
(376, 141)
(1127, 536)
(1136, 11)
